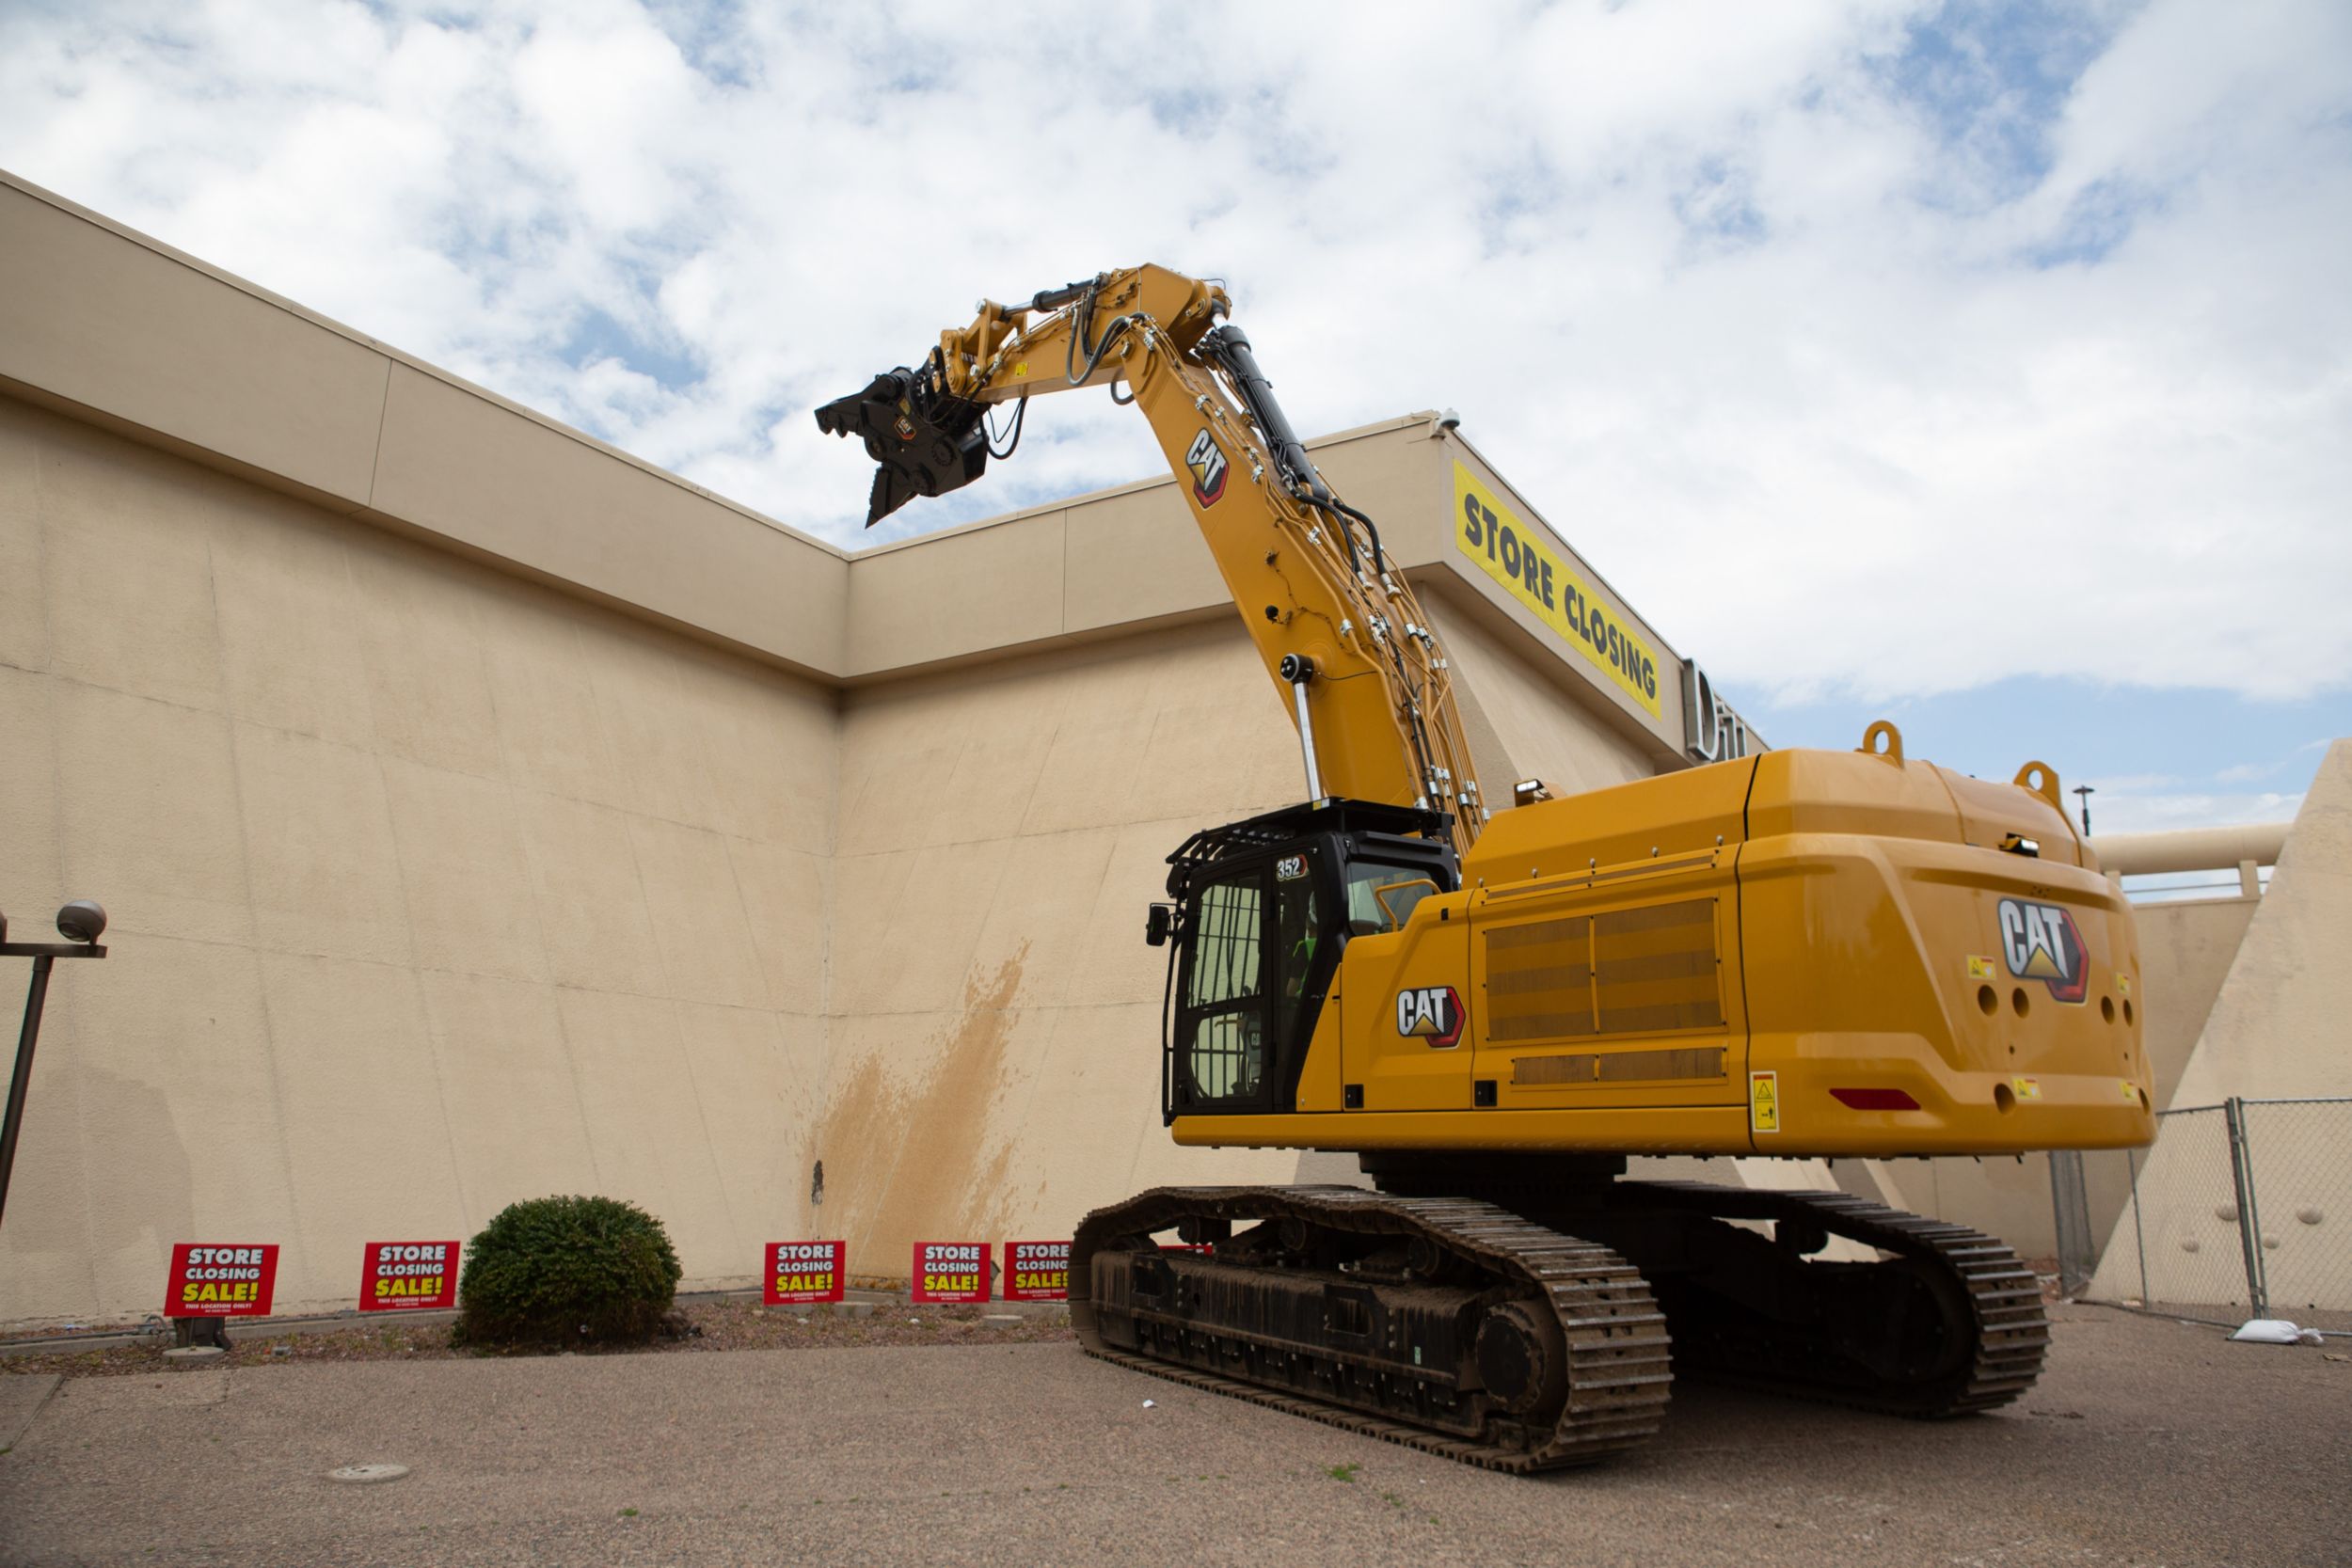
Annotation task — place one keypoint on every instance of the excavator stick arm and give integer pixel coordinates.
(1307, 571)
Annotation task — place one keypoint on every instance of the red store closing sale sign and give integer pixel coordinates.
(214, 1280)
(951, 1271)
(401, 1275)
(1037, 1271)
(805, 1272)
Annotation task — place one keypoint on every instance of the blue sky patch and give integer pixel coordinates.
(2149, 753)
(1990, 78)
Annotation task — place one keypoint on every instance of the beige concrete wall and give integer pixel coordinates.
(431, 890)
(114, 328)
(486, 813)
(2276, 1031)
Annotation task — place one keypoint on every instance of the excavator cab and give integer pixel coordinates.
(1261, 910)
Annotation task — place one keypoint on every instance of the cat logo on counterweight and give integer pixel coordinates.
(2040, 942)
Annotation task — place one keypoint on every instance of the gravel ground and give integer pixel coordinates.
(2146, 1443)
(716, 1325)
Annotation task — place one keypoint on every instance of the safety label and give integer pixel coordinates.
(212, 1279)
(802, 1272)
(1763, 1101)
(2027, 1088)
(1037, 1271)
(951, 1271)
(397, 1277)
(1979, 966)
(1509, 551)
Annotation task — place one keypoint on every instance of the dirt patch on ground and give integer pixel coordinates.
(716, 1325)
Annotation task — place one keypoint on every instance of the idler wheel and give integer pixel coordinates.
(1522, 1360)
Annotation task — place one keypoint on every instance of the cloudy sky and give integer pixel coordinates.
(1984, 364)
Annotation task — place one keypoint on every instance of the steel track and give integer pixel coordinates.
(1619, 1365)
(2010, 1330)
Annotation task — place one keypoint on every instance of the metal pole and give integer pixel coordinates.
(2140, 1237)
(2070, 1204)
(2253, 1214)
(2250, 1223)
(21, 1080)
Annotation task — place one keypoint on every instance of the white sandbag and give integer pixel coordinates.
(2268, 1331)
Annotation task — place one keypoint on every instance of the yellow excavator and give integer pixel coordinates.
(1797, 954)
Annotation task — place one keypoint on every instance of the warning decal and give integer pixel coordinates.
(1763, 1101)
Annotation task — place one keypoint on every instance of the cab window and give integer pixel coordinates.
(1369, 913)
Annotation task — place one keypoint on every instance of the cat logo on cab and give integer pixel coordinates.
(1432, 1012)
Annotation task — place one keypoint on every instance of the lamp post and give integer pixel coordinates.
(2084, 793)
(81, 923)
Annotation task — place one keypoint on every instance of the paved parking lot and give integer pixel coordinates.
(2147, 1443)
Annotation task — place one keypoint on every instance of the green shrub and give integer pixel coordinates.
(567, 1270)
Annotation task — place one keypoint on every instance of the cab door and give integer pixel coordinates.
(1221, 1050)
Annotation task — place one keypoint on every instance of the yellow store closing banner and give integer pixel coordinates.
(1492, 535)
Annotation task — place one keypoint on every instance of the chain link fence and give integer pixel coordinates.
(2241, 1210)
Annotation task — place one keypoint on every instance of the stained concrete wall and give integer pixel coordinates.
(996, 1013)
(484, 890)
(431, 889)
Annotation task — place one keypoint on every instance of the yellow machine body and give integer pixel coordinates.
(1802, 953)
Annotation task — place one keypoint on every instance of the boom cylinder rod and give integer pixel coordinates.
(1298, 669)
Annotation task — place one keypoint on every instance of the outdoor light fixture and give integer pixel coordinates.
(81, 923)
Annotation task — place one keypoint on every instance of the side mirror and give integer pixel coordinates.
(1156, 925)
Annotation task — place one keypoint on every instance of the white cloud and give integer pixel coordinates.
(1859, 370)
(2164, 813)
